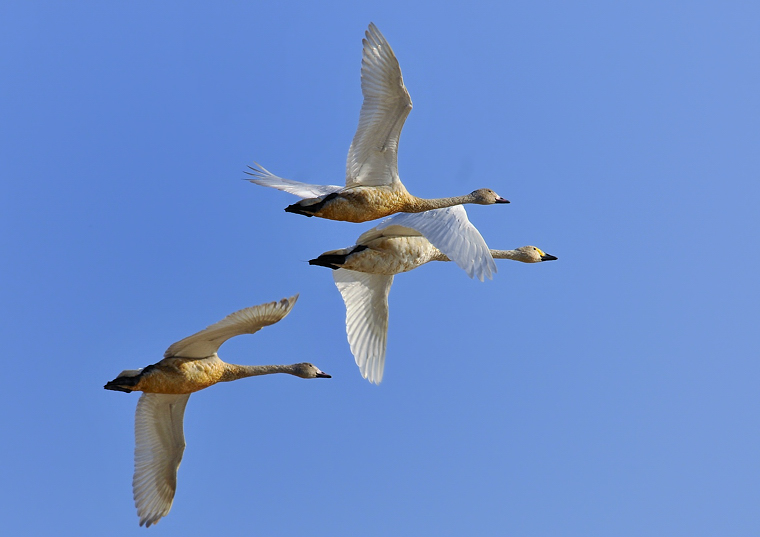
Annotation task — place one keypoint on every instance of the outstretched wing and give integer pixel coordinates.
(159, 445)
(366, 299)
(373, 155)
(262, 176)
(246, 321)
(451, 232)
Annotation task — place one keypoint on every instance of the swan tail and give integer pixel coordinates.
(336, 258)
(310, 207)
(126, 381)
(298, 209)
(113, 386)
(329, 261)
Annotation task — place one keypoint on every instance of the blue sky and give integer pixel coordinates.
(611, 392)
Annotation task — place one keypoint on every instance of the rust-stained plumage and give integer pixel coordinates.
(361, 204)
(189, 365)
(373, 188)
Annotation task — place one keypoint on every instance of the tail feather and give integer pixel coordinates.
(298, 209)
(330, 261)
(309, 207)
(335, 259)
(113, 386)
(127, 378)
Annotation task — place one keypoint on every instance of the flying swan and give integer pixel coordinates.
(373, 187)
(188, 366)
(364, 273)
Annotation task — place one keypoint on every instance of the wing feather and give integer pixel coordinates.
(452, 233)
(373, 155)
(246, 321)
(263, 177)
(391, 230)
(159, 445)
(366, 299)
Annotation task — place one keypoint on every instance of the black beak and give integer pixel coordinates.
(548, 257)
(322, 375)
(501, 200)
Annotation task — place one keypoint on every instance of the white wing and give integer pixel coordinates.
(159, 444)
(373, 155)
(264, 177)
(390, 230)
(451, 232)
(366, 299)
(246, 321)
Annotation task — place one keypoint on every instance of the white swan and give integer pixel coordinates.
(188, 366)
(373, 187)
(364, 273)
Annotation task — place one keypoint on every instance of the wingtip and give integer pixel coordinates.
(374, 36)
(372, 379)
(493, 270)
(483, 272)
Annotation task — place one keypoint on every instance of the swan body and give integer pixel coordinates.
(390, 255)
(188, 366)
(363, 274)
(415, 238)
(373, 188)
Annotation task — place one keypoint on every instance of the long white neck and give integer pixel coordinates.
(234, 372)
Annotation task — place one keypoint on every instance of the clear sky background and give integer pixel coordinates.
(611, 392)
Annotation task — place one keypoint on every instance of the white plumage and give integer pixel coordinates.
(159, 446)
(364, 272)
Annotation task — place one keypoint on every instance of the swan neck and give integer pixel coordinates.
(422, 204)
(234, 372)
(496, 254)
(505, 254)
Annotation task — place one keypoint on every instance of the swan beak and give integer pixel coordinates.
(548, 257)
(323, 375)
(501, 200)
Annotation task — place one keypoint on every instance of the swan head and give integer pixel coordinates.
(306, 370)
(532, 254)
(486, 196)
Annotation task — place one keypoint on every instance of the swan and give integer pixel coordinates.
(364, 273)
(189, 365)
(373, 187)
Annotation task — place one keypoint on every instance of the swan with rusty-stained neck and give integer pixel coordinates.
(373, 187)
(188, 366)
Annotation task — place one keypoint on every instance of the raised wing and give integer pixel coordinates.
(262, 176)
(373, 155)
(451, 232)
(366, 299)
(159, 445)
(246, 321)
(390, 230)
